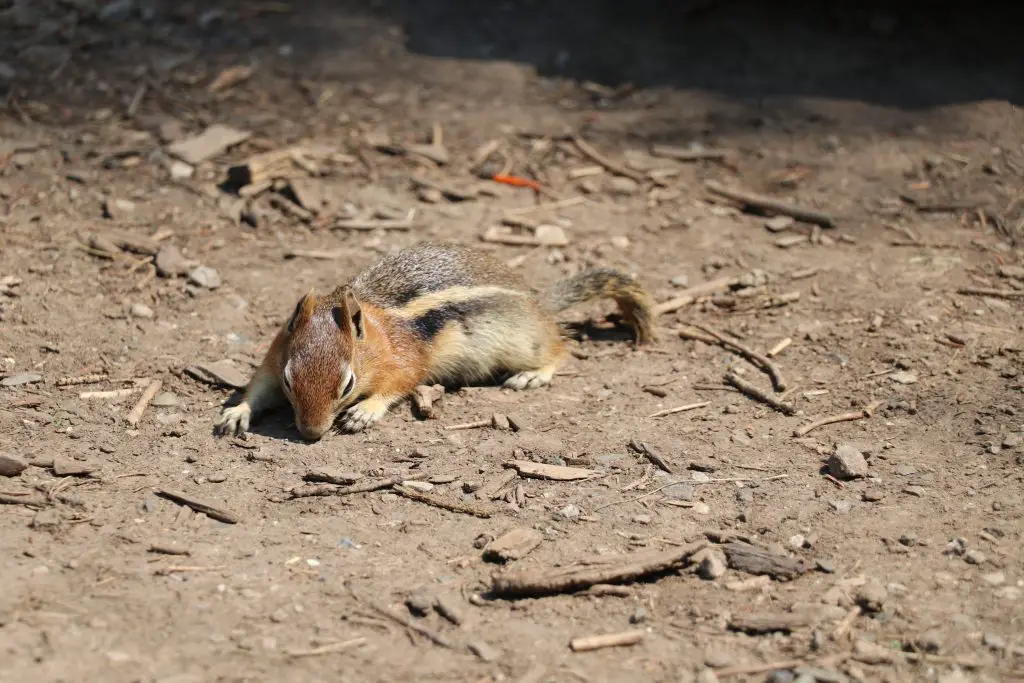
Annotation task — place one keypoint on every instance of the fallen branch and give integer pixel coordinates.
(198, 506)
(463, 508)
(758, 395)
(763, 203)
(862, 414)
(590, 572)
(752, 356)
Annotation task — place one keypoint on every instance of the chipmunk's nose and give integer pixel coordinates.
(310, 432)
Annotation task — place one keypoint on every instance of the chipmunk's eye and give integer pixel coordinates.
(349, 385)
(286, 379)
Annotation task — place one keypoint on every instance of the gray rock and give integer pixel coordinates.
(20, 379)
(170, 262)
(7, 73)
(11, 466)
(846, 463)
(204, 276)
(570, 513)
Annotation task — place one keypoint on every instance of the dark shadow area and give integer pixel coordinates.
(909, 55)
(902, 54)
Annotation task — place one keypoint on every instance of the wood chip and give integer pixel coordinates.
(212, 142)
(221, 373)
(539, 470)
(745, 557)
(513, 545)
(770, 622)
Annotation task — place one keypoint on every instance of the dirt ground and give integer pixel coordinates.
(902, 125)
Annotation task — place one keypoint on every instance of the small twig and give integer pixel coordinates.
(686, 154)
(780, 347)
(107, 395)
(646, 451)
(406, 223)
(862, 414)
(198, 506)
(772, 205)
(994, 293)
(753, 356)
(463, 508)
(430, 635)
(758, 395)
(135, 416)
(588, 643)
(611, 166)
(751, 669)
(83, 379)
(328, 649)
(470, 425)
(365, 487)
(680, 409)
(691, 294)
(181, 569)
(313, 254)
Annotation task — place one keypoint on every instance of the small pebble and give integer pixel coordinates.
(204, 276)
(639, 616)
(975, 557)
(872, 495)
(570, 513)
(140, 310)
(994, 579)
(170, 261)
(872, 596)
(165, 399)
(713, 565)
(846, 463)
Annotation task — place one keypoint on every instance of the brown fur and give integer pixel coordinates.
(434, 312)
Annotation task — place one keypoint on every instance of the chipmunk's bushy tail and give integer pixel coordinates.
(595, 283)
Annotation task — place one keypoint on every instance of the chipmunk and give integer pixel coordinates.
(438, 313)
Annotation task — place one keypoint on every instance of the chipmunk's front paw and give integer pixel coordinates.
(233, 420)
(530, 379)
(362, 415)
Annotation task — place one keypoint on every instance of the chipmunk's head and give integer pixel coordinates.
(318, 377)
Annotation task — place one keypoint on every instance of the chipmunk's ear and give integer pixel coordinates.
(303, 309)
(350, 313)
